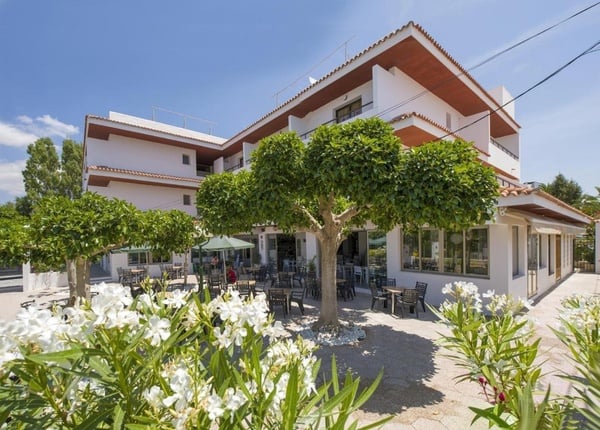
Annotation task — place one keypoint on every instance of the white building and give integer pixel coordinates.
(407, 79)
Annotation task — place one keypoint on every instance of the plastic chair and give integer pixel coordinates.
(410, 298)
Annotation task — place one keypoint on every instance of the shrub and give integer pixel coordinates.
(165, 360)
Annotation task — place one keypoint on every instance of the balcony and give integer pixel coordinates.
(503, 148)
(352, 114)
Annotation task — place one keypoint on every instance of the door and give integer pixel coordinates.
(558, 257)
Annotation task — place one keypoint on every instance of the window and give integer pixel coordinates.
(453, 251)
(185, 159)
(410, 251)
(461, 252)
(187, 200)
(477, 252)
(448, 121)
(348, 111)
(143, 258)
(430, 250)
(137, 258)
(515, 251)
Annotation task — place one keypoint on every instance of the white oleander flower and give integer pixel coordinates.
(154, 396)
(177, 299)
(158, 329)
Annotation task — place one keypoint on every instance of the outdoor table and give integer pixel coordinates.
(393, 291)
(137, 273)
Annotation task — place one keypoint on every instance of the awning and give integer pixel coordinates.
(546, 226)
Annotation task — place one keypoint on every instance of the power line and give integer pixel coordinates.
(551, 75)
(487, 60)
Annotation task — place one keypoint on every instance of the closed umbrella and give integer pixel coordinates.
(224, 243)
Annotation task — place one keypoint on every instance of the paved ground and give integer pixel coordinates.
(418, 386)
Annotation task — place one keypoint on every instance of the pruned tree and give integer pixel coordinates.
(73, 233)
(345, 175)
(13, 235)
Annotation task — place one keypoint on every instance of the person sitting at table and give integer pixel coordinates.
(231, 276)
(214, 262)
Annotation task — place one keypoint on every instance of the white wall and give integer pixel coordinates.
(395, 87)
(597, 265)
(150, 196)
(42, 281)
(134, 154)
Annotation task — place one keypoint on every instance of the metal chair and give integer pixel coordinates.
(277, 297)
(377, 295)
(421, 287)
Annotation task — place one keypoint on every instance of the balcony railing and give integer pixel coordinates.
(503, 148)
(363, 108)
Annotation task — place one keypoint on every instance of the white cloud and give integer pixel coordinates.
(26, 130)
(11, 179)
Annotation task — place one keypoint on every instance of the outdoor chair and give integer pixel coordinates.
(277, 297)
(421, 287)
(378, 295)
(297, 296)
(410, 298)
(243, 287)
(358, 274)
(313, 287)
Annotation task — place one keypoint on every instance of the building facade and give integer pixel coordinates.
(410, 81)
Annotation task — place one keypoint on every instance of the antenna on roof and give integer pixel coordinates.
(184, 116)
(312, 80)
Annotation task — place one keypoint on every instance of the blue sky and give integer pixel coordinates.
(225, 62)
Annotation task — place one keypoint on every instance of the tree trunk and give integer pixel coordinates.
(328, 319)
(83, 276)
(72, 278)
(185, 268)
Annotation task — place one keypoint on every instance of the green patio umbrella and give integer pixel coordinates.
(224, 243)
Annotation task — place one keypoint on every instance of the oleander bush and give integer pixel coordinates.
(496, 346)
(165, 360)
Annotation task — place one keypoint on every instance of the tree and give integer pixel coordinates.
(348, 174)
(71, 159)
(564, 189)
(13, 234)
(590, 205)
(75, 232)
(46, 175)
(40, 176)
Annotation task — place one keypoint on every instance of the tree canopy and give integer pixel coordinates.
(69, 232)
(46, 175)
(345, 175)
(564, 189)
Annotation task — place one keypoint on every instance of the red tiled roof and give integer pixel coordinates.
(362, 53)
(426, 119)
(525, 191)
(144, 174)
(516, 191)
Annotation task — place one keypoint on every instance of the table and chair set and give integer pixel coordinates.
(405, 298)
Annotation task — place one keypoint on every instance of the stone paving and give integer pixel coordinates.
(418, 387)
